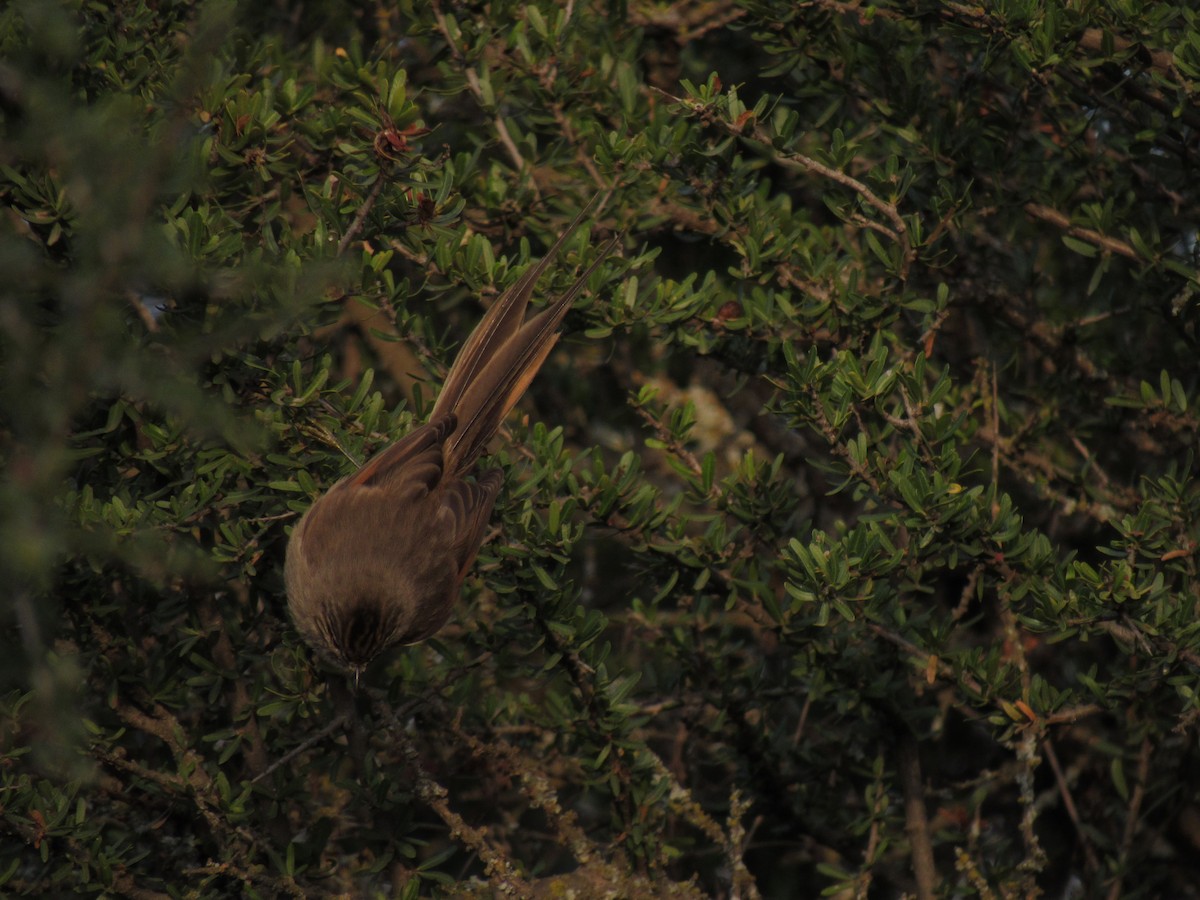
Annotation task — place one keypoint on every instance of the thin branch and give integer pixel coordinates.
(360, 216)
(334, 724)
(898, 233)
(477, 91)
(1068, 801)
(1103, 241)
(1131, 818)
(915, 819)
(499, 867)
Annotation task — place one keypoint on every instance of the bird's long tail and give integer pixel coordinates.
(502, 356)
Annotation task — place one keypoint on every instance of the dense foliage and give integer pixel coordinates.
(849, 540)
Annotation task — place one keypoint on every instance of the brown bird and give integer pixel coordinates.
(379, 559)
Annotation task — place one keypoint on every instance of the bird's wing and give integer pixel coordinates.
(416, 457)
(398, 477)
(469, 506)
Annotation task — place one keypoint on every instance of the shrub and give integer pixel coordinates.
(849, 537)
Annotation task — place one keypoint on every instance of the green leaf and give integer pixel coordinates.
(1117, 771)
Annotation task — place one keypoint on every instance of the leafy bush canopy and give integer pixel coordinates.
(849, 537)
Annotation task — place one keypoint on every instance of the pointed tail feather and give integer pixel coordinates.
(484, 401)
(499, 323)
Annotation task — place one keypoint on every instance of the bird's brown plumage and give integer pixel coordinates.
(379, 559)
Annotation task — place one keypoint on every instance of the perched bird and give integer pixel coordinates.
(378, 560)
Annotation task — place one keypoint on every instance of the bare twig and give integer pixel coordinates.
(1103, 241)
(916, 821)
(336, 723)
(897, 233)
(477, 91)
(499, 867)
(1131, 818)
(360, 216)
(1064, 791)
